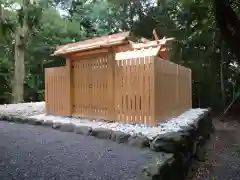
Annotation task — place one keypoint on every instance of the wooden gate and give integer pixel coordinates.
(91, 91)
(57, 91)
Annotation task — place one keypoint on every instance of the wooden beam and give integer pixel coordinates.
(151, 43)
(133, 46)
(88, 53)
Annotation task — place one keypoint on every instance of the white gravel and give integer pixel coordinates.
(37, 111)
(23, 109)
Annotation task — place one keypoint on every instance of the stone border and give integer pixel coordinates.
(183, 148)
(137, 140)
(177, 150)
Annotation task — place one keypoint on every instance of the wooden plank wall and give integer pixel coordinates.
(90, 79)
(166, 89)
(173, 93)
(142, 90)
(57, 93)
(133, 90)
(185, 88)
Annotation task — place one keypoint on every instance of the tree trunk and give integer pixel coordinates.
(1, 17)
(19, 69)
(222, 76)
(1, 11)
(19, 57)
(228, 22)
(125, 22)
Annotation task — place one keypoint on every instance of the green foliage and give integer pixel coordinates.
(192, 23)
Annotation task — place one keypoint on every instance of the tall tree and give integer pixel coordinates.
(228, 22)
(28, 17)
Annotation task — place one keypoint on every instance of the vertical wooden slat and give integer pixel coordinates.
(129, 91)
(94, 92)
(148, 90)
(86, 91)
(177, 91)
(144, 100)
(137, 91)
(134, 89)
(46, 92)
(190, 87)
(68, 79)
(111, 95)
(125, 103)
(80, 97)
(96, 87)
(104, 85)
(89, 99)
(79, 88)
(117, 82)
(141, 89)
(152, 92)
(89, 81)
(121, 90)
(101, 100)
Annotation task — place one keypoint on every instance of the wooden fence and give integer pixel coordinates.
(143, 90)
(57, 91)
(173, 93)
(134, 102)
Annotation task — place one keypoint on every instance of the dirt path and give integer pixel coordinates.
(223, 154)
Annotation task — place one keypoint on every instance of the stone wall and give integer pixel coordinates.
(178, 150)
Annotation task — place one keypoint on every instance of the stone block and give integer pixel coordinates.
(159, 169)
(205, 125)
(84, 130)
(138, 141)
(32, 121)
(18, 119)
(6, 118)
(56, 125)
(169, 142)
(120, 137)
(200, 153)
(102, 133)
(67, 127)
(48, 123)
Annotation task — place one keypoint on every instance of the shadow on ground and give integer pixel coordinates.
(223, 153)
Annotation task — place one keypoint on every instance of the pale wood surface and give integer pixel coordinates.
(140, 90)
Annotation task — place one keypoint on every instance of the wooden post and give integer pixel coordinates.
(69, 110)
(111, 86)
(153, 91)
(190, 88)
(177, 110)
(46, 91)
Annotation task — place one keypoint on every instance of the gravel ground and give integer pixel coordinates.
(36, 110)
(23, 109)
(37, 153)
(223, 154)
